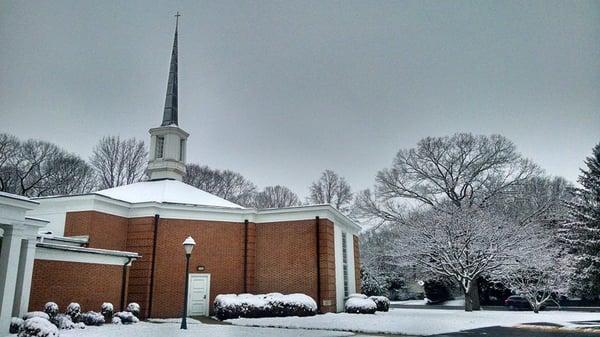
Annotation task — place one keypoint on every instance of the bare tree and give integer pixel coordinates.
(36, 168)
(276, 197)
(463, 244)
(119, 162)
(226, 184)
(462, 170)
(9, 147)
(331, 189)
(540, 276)
(70, 175)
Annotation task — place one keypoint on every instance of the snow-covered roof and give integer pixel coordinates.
(165, 191)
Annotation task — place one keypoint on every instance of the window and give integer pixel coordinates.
(160, 144)
(181, 148)
(345, 263)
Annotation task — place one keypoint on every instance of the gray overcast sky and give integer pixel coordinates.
(280, 91)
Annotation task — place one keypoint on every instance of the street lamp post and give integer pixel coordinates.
(188, 246)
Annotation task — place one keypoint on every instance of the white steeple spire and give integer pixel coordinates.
(168, 141)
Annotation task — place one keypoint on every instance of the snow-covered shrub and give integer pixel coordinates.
(79, 325)
(51, 309)
(227, 306)
(16, 324)
(92, 318)
(39, 314)
(126, 317)
(74, 311)
(382, 302)
(358, 305)
(371, 285)
(134, 308)
(63, 322)
(270, 305)
(107, 310)
(38, 327)
(357, 296)
(116, 320)
(256, 306)
(299, 305)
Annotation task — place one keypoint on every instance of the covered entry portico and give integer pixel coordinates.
(18, 241)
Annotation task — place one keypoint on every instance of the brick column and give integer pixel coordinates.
(250, 258)
(327, 266)
(357, 264)
(140, 238)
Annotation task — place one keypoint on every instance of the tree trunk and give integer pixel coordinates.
(468, 301)
(472, 297)
(475, 295)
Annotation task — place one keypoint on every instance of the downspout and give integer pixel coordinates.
(124, 282)
(155, 236)
(318, 265)
(246, 256)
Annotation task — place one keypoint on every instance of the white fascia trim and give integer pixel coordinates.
(42, 253)
(35, 222)
(17, 201)
(101, 203)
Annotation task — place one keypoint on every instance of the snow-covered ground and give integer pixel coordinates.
(417, 321)
(454, 303)
(170, 327)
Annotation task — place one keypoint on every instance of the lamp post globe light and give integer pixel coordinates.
(188, 246)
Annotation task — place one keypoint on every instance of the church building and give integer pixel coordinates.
(124, 244)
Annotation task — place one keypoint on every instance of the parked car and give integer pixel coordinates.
(516, 302)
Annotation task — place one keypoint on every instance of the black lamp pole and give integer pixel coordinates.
(185, 296)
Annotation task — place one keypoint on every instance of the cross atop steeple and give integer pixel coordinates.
(168, 142)
(170, 111)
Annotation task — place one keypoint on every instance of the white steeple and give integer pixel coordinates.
(168, 141)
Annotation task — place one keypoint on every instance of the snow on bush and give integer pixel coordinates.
(382, 302)
(357, 296)
(358, 305)
(270, 305)
(39, 314)
(51, 309)
(126, 317)
(63, 322)
(74, 311)
(116, 320)
(92, 318)
(134, 308)
(16, 324)
(107, 310)
(38, 327)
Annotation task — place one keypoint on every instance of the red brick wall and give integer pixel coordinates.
(105, 230)
(219, 248)
(64, 282)
(357, 264)
(281, 257)
(286, 257)
(140, 238)
(327, 266)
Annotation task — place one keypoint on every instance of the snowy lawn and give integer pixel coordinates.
(160, 328)
(454, 303)
(417, 321)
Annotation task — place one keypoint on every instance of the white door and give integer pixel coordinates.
(199, 294)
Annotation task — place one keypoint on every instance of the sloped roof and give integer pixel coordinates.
(165, 191)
